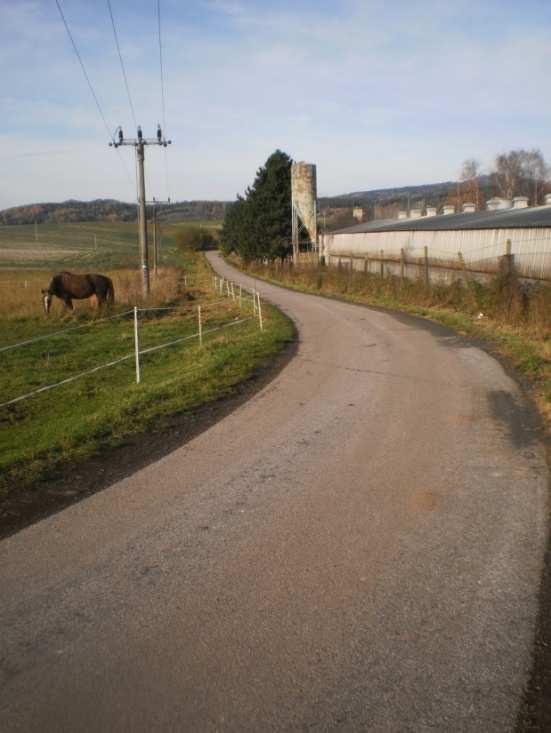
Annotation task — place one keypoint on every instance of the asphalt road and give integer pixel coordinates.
(358, 547)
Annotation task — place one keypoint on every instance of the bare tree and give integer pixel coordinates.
(535, 171)
(520, 172)
(509, 172)
(470, 171)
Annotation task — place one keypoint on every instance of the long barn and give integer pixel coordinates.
(475, 239)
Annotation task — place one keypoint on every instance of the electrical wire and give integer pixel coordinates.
(90, 86)
(163, 99)
(161, 64)
(79, 57)
(122, 63)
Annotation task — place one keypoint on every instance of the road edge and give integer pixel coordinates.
(77, 481)
(534, 713)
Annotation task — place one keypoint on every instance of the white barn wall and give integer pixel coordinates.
(530, 246)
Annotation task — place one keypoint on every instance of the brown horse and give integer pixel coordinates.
(67, 286)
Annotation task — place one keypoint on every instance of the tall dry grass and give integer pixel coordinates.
(20, 292)
(505, 299)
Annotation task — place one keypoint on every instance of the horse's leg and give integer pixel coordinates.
(68, 303)
(95, 301)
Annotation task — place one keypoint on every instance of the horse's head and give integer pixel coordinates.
(46, 300)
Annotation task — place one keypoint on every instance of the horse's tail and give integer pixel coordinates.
(110, 296)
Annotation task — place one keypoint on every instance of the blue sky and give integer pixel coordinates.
(376, 93)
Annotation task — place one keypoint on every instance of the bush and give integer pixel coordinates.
(195, 238)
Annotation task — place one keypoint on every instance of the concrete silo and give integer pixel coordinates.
(304, 203)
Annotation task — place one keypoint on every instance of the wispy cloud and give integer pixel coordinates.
(376, 94)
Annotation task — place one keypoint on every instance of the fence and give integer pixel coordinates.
(478, 252)
(243, 297)
(442, 266)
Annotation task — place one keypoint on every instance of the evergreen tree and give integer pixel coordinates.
(258, 225)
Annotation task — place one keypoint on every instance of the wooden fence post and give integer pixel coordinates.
(136, 345)
(426, 266)
(507, 260)
(402, 265)
(260, 321)
(382, 263)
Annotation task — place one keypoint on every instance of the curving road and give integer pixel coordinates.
(358, 547)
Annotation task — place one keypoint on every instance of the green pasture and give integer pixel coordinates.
(84, 245)
(41, 434)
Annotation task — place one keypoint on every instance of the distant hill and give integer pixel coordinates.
(373, 201)
(385, 203)
(430, 193)
(108, 210)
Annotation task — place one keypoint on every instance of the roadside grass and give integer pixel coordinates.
(72, 422)
(42, 434)
(500, 314)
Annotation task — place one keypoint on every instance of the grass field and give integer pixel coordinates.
(71, 422)
(83, 245)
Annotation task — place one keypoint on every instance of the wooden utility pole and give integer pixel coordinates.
(155, 251)
(157, 234)
(139, 144)
(294, 231)
(142, 226)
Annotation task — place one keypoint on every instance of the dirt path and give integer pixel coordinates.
(359, 546)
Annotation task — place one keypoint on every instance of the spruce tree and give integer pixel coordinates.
(258, 226)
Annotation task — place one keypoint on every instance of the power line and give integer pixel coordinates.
(161, 64)
(162, 91)
(92, 91)
(79, 57)
(122, 63)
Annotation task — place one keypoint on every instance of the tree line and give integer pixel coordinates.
(515, 173)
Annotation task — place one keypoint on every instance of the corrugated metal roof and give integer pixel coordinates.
(537, 216)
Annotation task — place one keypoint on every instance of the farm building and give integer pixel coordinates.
(470, 240)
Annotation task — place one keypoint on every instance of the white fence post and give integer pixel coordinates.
(253, 293)
(200, 324)
(137, 345)
(259, 312)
